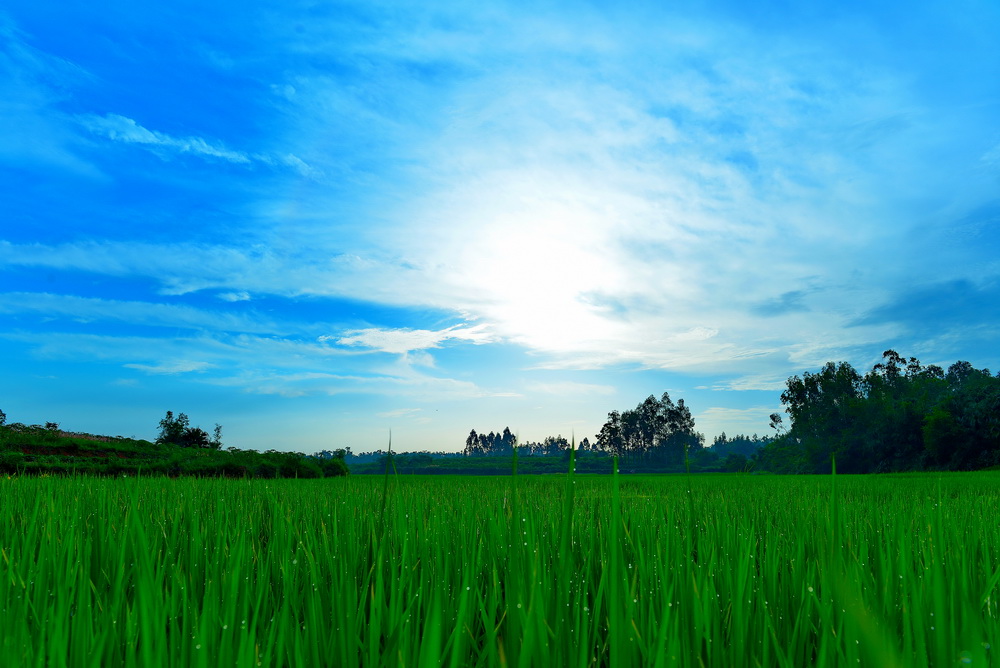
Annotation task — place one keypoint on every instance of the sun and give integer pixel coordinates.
(538, 283)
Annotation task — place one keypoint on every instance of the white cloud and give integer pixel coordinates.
(89, 309)
(255, 364)
(34, 133)
(126, 130)
(572, 389)
(416, 387)
(122, 129)
(402, 341)
(229, 353)
(634, 212)
(172, 367)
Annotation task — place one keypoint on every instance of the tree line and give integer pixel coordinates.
(503, 444)
(657, 433)
(899, 416)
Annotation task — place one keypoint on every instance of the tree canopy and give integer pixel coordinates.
(656, 430)
(899, 416)
(178, 431)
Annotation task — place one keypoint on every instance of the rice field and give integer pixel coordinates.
(721, 570)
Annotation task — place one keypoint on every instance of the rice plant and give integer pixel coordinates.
(570, 570)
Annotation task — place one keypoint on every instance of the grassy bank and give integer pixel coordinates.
(36, 450)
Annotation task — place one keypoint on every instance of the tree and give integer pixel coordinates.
(492, 443)
(657, 430)
(508, 441)
(216, 442)
(178, 431)
(554, 445)
(195, 437)
(611, 438)
(172, 429)
(736, 463)
(776, 423)
(471, 443)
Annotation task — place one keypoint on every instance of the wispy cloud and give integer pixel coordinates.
(568, 389)
(122, 129)
(422, 388)
(657, 190)
(242, 296)
(34, 132)
(147, 314)
(229, 352)
(171, 368)
(126, 130)
(255, 364)
(407, 340)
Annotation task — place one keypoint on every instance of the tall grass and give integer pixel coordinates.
(571, 570)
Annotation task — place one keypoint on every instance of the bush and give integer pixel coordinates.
(333, 468)
(265, 469)
(11, 461)
(736, 463)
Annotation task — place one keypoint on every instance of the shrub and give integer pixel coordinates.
(332, 468)
(11, 461)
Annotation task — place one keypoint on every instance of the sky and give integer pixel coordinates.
(318, 222)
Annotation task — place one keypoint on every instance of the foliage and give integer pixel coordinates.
(736, 463)
(899, 416)
(740, 444)
(657, 430)
(178, 431)
(490, 444)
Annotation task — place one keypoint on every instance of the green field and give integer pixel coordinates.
(713, 570)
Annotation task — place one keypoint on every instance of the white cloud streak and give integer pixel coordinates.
(402, 341)
(569, 389)
(171, 367)
(126, 130)
(89, 309)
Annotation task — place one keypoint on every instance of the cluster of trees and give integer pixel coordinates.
(746, 446)
(503, 444)
(656, 431)
(178, 431)
(490, 444)
(737, 452)
(899, 416)
(553, 446)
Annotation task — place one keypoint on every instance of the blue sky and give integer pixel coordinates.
(316, 222)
